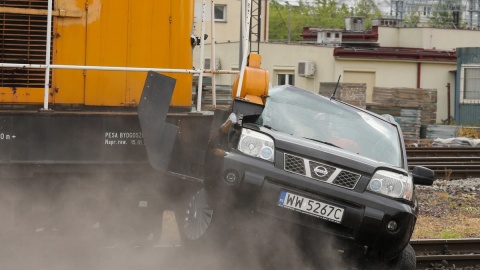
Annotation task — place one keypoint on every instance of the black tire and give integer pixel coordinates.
(405, 261)
(198, 222)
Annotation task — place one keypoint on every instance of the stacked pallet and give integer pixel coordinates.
(411, 107)
(425, 99)
(439, 131)
(409, 119)
(351, 93)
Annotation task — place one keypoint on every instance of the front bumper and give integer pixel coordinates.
(258, 185)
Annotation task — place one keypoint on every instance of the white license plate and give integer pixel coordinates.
(311, 207)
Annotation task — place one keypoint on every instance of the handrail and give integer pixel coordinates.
(104, 68)
(246, 48)
(202, 59)
(116, 68)
(212, 49)
(47, 56)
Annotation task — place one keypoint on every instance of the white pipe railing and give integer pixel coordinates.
(105, 68)
(246, 47)
(202, 59)
(212, 49)
(112, 68)
(48, 54)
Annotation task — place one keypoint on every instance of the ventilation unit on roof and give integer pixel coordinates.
(306, 69)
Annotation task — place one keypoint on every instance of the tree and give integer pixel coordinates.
(412, 19)
(287, 21)
(279, 30)
(328, 14)
(367, 9)
(446, 14)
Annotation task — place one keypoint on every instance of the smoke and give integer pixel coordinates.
(118, 221)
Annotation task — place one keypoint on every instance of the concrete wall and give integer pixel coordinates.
(428, 38)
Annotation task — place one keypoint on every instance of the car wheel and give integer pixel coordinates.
(198, 222)
(405, 261)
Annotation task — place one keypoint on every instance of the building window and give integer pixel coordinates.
(285, 78)
(426, 11)
(220, 13)
(471, 83)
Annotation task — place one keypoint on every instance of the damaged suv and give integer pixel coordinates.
(315, 162)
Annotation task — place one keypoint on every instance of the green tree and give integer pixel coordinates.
(278, 22)
(412, 19)
(287, 21)
(446, 14)
(367, 9)
(328, 14)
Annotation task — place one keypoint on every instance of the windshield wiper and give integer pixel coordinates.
(324, 142)
(270, 127)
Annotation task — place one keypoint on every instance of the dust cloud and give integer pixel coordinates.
(117, 221)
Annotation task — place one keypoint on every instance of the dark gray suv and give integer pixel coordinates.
(316, 163)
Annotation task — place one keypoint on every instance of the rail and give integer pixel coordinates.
(447, 252)
(446, 162)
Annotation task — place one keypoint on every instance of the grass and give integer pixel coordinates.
(444, 215)
(458, 227)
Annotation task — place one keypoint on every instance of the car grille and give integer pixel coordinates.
(320, 171)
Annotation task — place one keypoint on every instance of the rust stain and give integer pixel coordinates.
(94, 11)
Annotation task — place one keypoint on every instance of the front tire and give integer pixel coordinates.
(196, 217)
(199, 223)
(405, 261)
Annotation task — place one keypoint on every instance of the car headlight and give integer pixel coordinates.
(256, 144)
(392, 184)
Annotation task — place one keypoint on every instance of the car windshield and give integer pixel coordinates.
(308, 115)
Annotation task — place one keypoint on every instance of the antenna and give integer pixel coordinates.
(336, 86)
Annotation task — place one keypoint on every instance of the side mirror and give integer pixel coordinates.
(423, 176)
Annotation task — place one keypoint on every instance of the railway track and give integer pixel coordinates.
(451, 253)
(447, 162)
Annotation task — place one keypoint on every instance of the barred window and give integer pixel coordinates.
(23, 41)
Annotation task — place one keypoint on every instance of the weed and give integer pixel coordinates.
(469, 132)
(449, 234)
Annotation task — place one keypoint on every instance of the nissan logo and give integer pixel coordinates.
(320, 171)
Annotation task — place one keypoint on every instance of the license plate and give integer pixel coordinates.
(311, 207)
